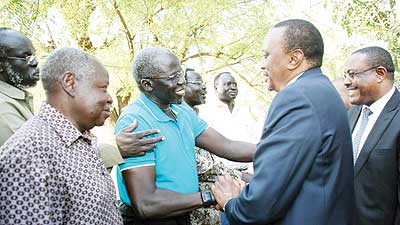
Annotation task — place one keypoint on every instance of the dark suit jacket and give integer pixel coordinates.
(303, 169)
(376, 172)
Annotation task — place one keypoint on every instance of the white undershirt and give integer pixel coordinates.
(294, 79)
(376, 109)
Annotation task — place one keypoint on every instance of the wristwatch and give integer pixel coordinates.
(207, 198)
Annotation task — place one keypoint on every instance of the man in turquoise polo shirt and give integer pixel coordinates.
(161, 187)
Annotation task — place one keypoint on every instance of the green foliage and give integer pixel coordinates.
(210, 36)
(376, 19)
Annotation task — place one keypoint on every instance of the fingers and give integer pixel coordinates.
(131, 127)
(149, 141)
(145, 133)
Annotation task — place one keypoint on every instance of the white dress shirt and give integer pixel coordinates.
(376, 109)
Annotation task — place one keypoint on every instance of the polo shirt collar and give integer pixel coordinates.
(155, 110)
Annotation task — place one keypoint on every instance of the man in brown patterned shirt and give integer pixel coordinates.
(50, 170)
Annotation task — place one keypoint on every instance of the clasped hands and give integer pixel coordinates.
(226, 188)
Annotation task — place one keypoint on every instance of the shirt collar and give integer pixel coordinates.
(379, 104)
(294, 79)
(155, 110)
(65, 129)
(13, 92)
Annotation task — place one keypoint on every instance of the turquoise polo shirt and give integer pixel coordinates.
(174, 158)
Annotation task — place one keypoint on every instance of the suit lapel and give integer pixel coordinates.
(386, 116)
(354, 113)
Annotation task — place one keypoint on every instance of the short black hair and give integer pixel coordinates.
(188, 70)
(303, 35)
(216, 78)
(377, 56)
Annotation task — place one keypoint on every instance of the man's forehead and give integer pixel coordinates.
(193, 75)
(16, 41)
(355, 61)
(274, 36)
(226, 77)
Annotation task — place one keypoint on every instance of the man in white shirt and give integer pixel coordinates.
(375, 126)
(234, 121)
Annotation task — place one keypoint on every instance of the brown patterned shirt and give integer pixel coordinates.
(50, 173)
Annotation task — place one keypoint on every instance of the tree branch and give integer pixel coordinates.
(128, 35)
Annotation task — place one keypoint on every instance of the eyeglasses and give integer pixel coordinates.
(30, 59)
(174, 77)
(198, 82)
(351, 75)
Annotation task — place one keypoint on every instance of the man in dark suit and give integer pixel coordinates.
(303, 172)
(375, 126)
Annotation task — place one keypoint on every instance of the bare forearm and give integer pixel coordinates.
(233, 150)
(164, 203)
(238, 151)
(216, 143)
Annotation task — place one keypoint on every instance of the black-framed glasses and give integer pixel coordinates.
(352, 75)
(30, 59)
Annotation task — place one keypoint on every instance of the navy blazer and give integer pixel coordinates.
(303, 165)
(376, 172)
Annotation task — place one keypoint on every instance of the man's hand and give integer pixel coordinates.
(226, 188)
(133, 144)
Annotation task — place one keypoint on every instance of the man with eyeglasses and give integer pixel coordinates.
(161, 187)
(375, 125)
(18, 71)
(195, 92)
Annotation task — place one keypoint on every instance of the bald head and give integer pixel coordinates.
(18, 66)
(63, 60)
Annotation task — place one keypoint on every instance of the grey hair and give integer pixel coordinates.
(63, 60)
(147, 63)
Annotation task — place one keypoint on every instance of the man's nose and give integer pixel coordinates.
(346, 81)
(109, 99)
(33, 63)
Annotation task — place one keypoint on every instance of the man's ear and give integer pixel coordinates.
(68, 83)
(296, 58)
(146, 84)
(381, 74)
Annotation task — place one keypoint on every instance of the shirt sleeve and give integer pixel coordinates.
(131, 162)
(198, 124)
(10, 121)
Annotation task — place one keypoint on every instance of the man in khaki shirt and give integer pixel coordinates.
(18, 71)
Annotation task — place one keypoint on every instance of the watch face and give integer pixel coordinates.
(207, 198)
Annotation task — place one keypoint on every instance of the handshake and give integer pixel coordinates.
(223, 190)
